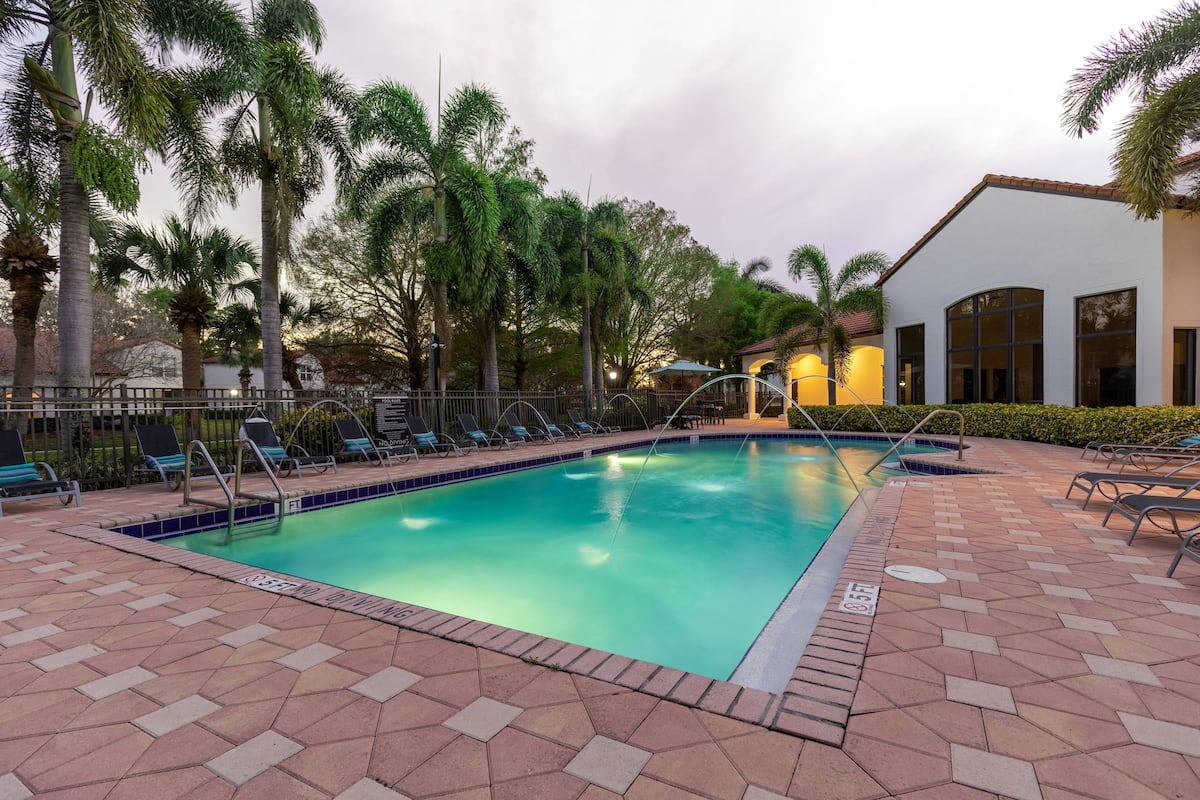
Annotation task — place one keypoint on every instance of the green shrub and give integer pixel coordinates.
(1063, 425)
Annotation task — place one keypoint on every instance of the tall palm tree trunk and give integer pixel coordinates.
(28, 288)
(491, 359)
(272, 329)
(272, 336)
(193, 375)
(832, 373)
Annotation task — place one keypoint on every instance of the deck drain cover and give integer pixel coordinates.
(915, 574)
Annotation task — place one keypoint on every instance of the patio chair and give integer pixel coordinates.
(356, 442)
(161, 453)
(426, 440)
(1092, 482)
(261, 433)
(1170, 441)
(584, 427)
(492, 438)
(21, 480)
(1151, 460)
(527, 433)
(553, 431)
(1138, 507)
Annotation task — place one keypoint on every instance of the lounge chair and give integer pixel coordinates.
(1092, 482)
(492, 438)
(1189, 547)
(261, 433)
(1138, 507)
(426, 440)
(160, 450)
(526, 433)
(553, 431)
(585, 427)
(21, 480)
(1172, 440)
(356, 442)
(1155, 459)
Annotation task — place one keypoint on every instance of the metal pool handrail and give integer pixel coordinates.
(962, 425)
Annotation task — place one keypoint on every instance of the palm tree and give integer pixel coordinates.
(794, 318)
(286, 114)
(149, 110)
(237, 330)
(201, 266)
(580, 233)
(1158, 62)
(412, 160)
(26, 263)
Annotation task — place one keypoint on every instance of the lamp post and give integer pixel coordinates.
(435, 378)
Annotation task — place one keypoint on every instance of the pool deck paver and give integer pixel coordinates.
(1055, 663)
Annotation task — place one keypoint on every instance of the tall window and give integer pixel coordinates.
(1106, 348)
(910, 365)
(1183, 370)
(994, 347)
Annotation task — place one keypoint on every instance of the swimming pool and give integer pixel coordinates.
(682, 570)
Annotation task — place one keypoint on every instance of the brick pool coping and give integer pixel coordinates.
(815, 704)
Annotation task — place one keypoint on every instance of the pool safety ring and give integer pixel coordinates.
(915, 574)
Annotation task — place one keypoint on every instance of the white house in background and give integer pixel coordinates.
(226, 376)
(146, 364)
(1037, 291)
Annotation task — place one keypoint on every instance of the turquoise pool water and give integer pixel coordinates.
(711, 542)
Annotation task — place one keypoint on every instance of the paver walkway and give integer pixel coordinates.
(1055, 663)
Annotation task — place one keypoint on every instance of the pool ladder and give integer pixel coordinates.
(962, 424)
(232, 495)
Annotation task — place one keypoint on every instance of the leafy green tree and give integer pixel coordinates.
(794, 318)
(237, 331)
(81, 51)
(1158, 62)
(381, 312)
(409, 159)
(284, 113)
(200, 266)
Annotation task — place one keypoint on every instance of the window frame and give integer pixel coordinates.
(1080, 338)
(956, 313)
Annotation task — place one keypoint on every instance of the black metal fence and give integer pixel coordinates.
(91, 436)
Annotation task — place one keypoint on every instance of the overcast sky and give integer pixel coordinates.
(764, 125)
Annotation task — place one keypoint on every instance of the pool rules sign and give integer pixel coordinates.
(860, 598)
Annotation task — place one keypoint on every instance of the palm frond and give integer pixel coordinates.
(295, 21)
(213, 29)
(809, 263)
(860, 267)
(390, 215)
(473, 197)
(1149, 142)
(467, 111)
(392, 115)
(1140, 56)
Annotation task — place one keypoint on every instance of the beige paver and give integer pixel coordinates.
(118, 681)
(483, 718)
(11, 788)
(367, 789)
(1001, 775)
(1169, 736)
(29, 635)
(308, 657)
(978, 693)
(1118, 668)
(246, 635)
(176, 715)
(253, 757)
(386, 684)
(608, 763)
(65, 658)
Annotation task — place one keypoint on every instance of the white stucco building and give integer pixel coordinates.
(1029, 291)
(1045, 292)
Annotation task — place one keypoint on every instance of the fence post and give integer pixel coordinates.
(128, 456)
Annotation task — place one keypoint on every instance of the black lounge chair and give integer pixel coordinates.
(262, 434)
(1138, 507)
(1092, 482)
(493, 438)
(426, 440)
(553, 431)
(586, 428)
(161, 453)
(356, 442)
(526, 433)
(1173, 440)
(21, 480)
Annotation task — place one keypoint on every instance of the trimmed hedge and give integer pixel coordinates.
(1063, 425)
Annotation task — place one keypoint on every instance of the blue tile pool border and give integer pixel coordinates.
(211, 520)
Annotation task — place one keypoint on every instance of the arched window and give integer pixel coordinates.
(994, 347)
